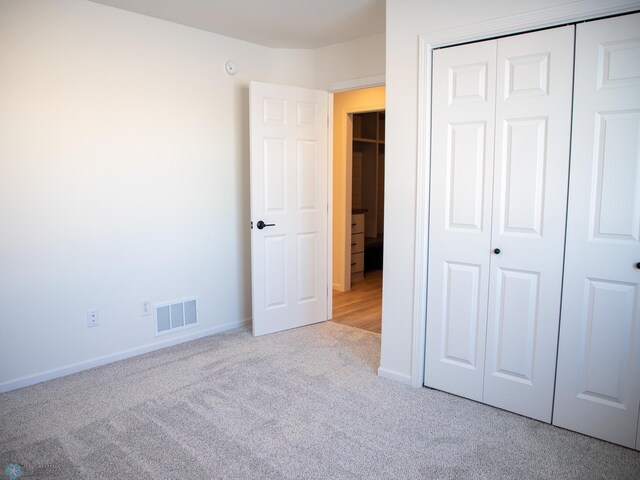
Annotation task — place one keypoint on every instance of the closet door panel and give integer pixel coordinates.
(460, 221)
(533, 126)
(598, 377)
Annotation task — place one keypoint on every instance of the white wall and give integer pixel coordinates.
(406, 21)
(357, 59)
(124, 176)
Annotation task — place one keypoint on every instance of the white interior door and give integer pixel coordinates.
(533, 130)
(598, 378)
(460, 218)
(288, 207)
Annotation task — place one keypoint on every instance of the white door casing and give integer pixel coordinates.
(533, 129)
(288, 130)
(598, 375)
(460, 218)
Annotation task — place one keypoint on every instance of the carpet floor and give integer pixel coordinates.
(301, 404)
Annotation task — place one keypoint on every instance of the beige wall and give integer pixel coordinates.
(344, 103)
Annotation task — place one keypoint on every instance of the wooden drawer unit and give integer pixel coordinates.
(357, 243)
(357, 263)
(357, 246)
(357, 223)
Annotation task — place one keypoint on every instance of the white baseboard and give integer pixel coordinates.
(395, 376)
(96, 362)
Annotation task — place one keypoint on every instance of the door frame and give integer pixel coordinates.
(337, 87)
(512, 25)
(348, 191)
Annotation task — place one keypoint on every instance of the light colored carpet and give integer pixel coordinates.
(305, 403)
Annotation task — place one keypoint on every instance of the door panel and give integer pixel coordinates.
(526, 75)
(275, 285)
(305, 181)
(533, 125)
(273, 175)
(460, 218)
(307, 248)
(289, 193)
(603, 371)
(517, 299)
(598, 376)
(465, 174)
(616, 202)
(524, 154)
(459, 337)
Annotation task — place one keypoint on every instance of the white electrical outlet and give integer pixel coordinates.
(92, 317)
(145, 308)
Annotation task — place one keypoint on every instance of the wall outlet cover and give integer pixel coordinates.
(145, 308)
(92, 318)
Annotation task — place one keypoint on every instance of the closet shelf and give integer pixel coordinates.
(367, 140)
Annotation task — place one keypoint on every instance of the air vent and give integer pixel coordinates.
(176, 315)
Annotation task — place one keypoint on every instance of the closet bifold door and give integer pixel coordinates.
(501, 117)
(463, 112)
(598, 375)
(532, 147)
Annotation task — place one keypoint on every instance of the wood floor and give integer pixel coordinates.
(362, 306)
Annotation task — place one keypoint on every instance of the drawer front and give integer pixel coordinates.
(357, 243)
(357, 262)
(357, 223)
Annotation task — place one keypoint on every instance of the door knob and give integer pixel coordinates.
(638, 265)
(495, 250)
(261, 224)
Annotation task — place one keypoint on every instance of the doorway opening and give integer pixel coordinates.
(358, 207)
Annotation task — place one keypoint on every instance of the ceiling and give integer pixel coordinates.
(272, 23)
